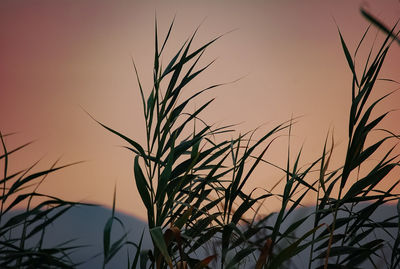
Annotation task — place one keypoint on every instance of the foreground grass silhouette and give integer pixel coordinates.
(191, 180)
(22, 232)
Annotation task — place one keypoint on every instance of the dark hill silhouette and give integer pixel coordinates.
(85, 224)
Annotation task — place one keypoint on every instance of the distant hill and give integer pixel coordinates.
(85, 224)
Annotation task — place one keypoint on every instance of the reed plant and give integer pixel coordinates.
(192, 179)
(26, 213)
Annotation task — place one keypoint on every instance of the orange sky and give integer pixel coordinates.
(59, 56)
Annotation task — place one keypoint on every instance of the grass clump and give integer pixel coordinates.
(191, 180)
(25, 215)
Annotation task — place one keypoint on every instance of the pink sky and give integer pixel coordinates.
(59, 56)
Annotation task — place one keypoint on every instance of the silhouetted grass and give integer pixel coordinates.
(191, 180)
(25, 214)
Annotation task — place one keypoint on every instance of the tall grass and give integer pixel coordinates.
(191, 180)
(25, 214)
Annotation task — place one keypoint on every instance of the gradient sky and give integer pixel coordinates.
(59, 56)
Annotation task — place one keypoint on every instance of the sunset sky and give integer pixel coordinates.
(58, 57)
